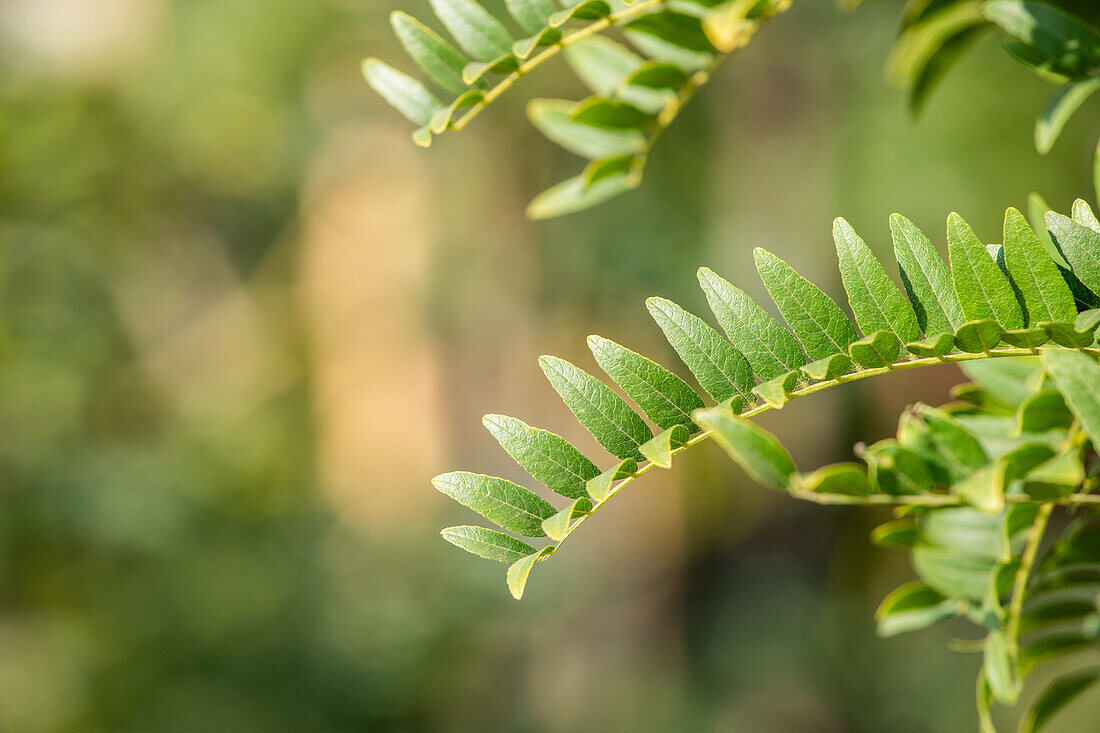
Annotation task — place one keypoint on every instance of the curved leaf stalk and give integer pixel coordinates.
(1023, 575)
(926, 500)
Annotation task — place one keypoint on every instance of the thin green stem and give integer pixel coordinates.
(667, 114)
(874, 499)
(1023, 575)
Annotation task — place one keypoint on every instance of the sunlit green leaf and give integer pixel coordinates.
(756, 450)
(549, 458)
(606, 415)
(1077, 377)
(770, 349)
(513, 507)
(477, 32)
(487, 543)
(659, 450)
(407, 95)
(721, 369)
(876, 303)
(814, 318)
(912, 606)
(926, 279)
(984, 291)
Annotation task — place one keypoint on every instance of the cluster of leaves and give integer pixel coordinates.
(636, 94)
(671, 49)
(1056, 42)
(1015, 444)
(1018, 443)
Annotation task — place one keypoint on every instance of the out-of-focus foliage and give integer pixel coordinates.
(636, 94)
(636, 97)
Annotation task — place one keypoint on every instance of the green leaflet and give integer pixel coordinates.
(1043, 411)
(609, 113)
(475, 71)
(1081, 247)
(1083, 215)
(1058, 477)
(556, 526)
(776, 391)
(998, 669)
(814, 318)
(933, 346)
(435, 56)
(1048, 647)
(487, 543)
(770, 349)
(926, 279)
(601, 63)
(532, 15)
(549, 458)
(513, 507)
(576, 194)
(880, 349)
(678, 29)
(518, 573)
(659, 451)
(553, 118)
(1077, 377)
(1060, 693)
(1071, 44)
(585, 10)
(952, 573)
(602, 412)
(956, 445)
(407, 95)
(661, 50)
(927, 44)
(965, 530)
(599, 488)
(1026, 338)
(897, 533)
(665, 398)
(984, 701)
(1012, 380)
(1045, 294)
(913, 606)
(849, 479)
(897, 470)
(1037, 210)
(984, 291)
(833, 366)
(477, 32)
(1045, 612)
(876, 302)
(984, 490)
(656, 75)
(756, 450)
(978, 336)
(1059, 109)
(1073, 335)
(443, 118)
(721, 369)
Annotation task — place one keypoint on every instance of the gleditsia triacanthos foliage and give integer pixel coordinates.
(667, 50)
(975, 482)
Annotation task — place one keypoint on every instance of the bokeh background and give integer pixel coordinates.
(243, 321)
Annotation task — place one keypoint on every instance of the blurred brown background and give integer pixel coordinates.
(243, 321)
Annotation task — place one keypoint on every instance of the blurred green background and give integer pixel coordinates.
(243, 321)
